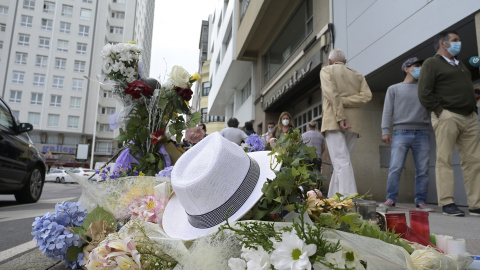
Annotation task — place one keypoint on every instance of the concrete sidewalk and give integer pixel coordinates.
(467, 227)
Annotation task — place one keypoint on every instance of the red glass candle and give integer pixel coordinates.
(395, 218)
(419, 223)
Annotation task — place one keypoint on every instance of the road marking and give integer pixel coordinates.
(16, 214)
(7, 254)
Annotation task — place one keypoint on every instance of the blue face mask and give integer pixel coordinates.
(269, 131)
(455, 48)
(416, 72)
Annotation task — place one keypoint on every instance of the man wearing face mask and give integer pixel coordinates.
(344, 92)
(411, 130)
(445, 88)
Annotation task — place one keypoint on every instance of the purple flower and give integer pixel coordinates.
(255, 143)
(167, 172)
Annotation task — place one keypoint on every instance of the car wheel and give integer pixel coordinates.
(63, 180)
(32, 190)
(57, 180)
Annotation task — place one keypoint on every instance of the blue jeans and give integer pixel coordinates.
(419, 142)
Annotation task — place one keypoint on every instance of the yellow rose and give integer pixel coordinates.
(194, 77)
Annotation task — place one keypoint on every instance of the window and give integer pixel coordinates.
(119, 1)
(118, 15)
(104, 128)
(47, 24)
(77, 85)
(62, 45)
(23, 40)
(27, 21)
(53, 120)
(79, 66)
(107, 94)
(243, 8)
(15, 96)
(3, 10)
(75, 102)
(246, 91)
(116, 30)
(34, 118)
(38, 79)
(57, 82)
(85, 14)
(18, 77)
(73, 121)
(81, 48)
(21, 58)
(49, 7)
(3, 27)
(205, 88)
(52, 139)
(83, 30)
(36, 99)
(29, 4)
(65, 27)
(104, 147)
(60, 63)
(55, 101)
(67, 140)
(87, 1)
(295, 32)
(41, 61)
(67, 11)
(43, 42)
(16, 114)
(108, 110)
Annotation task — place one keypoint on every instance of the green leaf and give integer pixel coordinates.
(100, 214)
(73, 251)
(150, 158)
(162, 103)
(172, 129)
(79, 230)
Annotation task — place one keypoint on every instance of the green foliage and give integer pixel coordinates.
(297, 170)
(73, 251)
(99, 214)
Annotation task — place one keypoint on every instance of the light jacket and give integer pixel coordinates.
(348, 91)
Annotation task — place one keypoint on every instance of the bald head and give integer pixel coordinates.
(336, 55)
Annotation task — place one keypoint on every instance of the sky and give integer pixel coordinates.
(176, 34)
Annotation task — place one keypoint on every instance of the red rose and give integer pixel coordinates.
(186, 93)
(138, 88)
(157, 136)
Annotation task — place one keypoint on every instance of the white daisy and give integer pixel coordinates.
(256, 259)
(292, 253)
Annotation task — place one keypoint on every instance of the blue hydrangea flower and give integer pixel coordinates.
(167, 172)
(255, 143)
(52, 232)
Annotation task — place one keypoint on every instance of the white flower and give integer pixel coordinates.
(292, 253)
(237, 264)
(320, 266)
(256, 259)
(179, 76)
(337, 259)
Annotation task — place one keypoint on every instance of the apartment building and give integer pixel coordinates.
(50, 55)
(202, 86)
(266, 57)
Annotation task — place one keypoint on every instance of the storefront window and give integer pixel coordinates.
(294, 33)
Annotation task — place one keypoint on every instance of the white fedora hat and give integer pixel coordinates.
(209, 179)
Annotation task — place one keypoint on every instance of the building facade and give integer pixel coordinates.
(278, 48)
(50, 52)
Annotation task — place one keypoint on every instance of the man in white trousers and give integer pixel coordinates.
(344, 92)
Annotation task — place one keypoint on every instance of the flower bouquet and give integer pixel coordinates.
(153, 114)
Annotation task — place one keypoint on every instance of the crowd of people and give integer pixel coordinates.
(435, 94)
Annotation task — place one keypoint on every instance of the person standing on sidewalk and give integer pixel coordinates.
(232, 132)
(411, 130)
(344, 92)
(445, 88)
(314, 138)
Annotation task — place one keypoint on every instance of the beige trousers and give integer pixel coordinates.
(452, 130)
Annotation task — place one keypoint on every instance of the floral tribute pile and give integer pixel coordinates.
(117, 224)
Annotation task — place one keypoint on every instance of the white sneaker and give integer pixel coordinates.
(423, 207)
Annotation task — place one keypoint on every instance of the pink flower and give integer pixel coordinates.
(315, 193)
(194, 135)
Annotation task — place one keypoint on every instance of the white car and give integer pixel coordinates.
(85, 173)
(59, 176)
